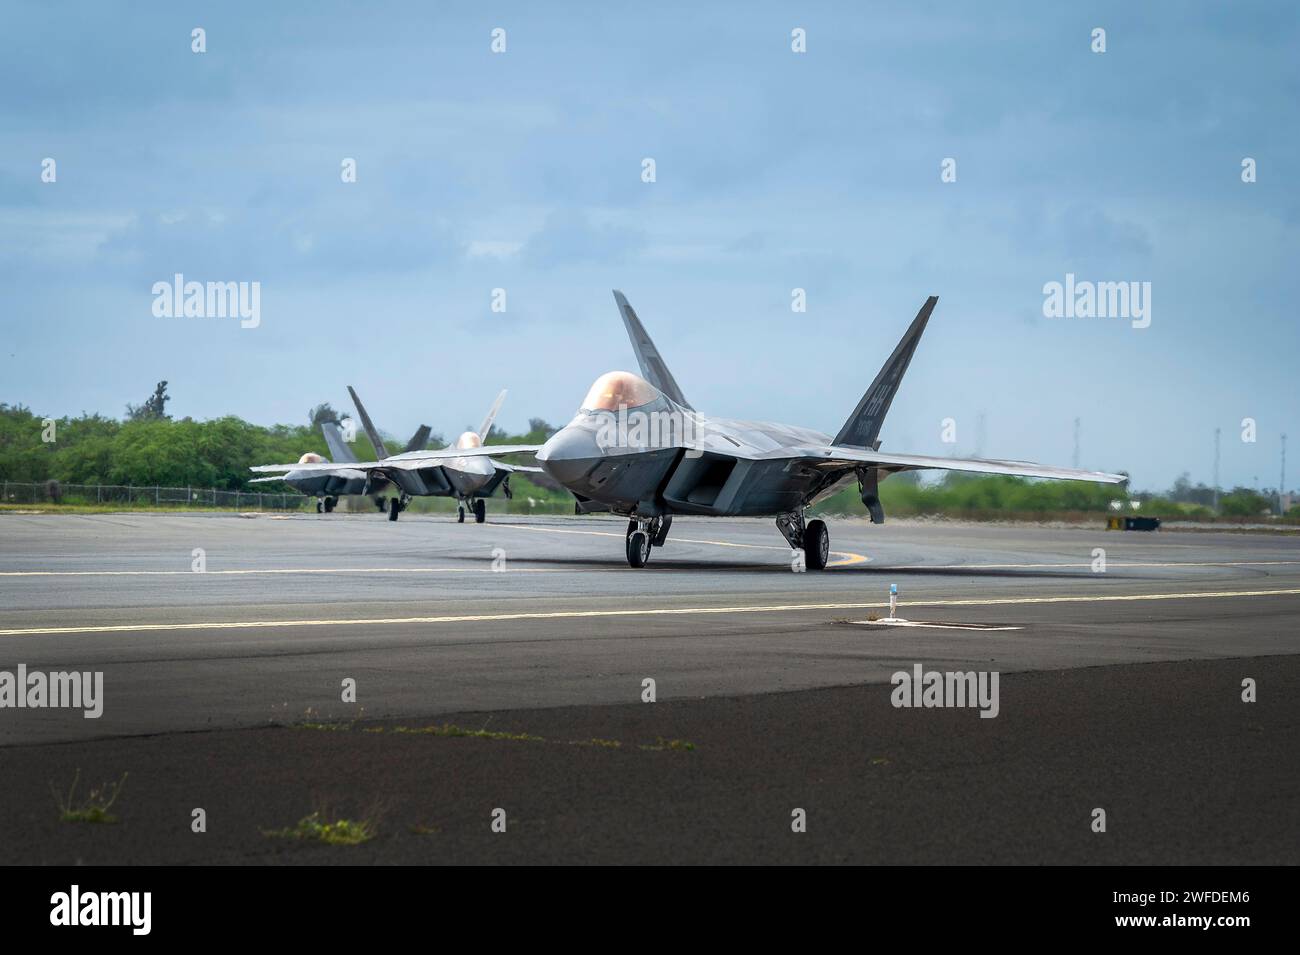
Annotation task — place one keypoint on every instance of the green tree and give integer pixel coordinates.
(154, 407)
(323, 413)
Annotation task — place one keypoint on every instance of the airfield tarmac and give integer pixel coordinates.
(1119, 689)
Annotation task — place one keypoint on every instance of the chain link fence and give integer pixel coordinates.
(54, 492)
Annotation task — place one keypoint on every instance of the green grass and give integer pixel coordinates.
(327, 727)
(94, 808)
(675, 745)
(318, 827)
(452, 730)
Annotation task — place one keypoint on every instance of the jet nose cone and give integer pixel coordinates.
(569, 455)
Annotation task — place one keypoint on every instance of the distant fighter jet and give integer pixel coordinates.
(638, 448)
(336, 478)
(465, 471)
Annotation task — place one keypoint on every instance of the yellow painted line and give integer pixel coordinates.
(1109, 563)
(641, 612)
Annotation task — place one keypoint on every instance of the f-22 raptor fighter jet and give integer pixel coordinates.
(337, 477)
(465, 471)
(638, 448)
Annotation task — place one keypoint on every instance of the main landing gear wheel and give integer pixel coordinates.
(638, 548)
(320, 507)
(329, 504)
(460, 513)
(480, 512)
(395, 506)
(816, 545)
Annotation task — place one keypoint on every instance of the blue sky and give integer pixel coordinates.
(775, 170)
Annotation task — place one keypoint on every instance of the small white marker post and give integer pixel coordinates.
(893, 602)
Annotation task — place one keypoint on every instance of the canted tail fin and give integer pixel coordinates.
(862, 430)
(372, 432)
(653, 367)
(340, 453)
(486, 426)
(420, 440)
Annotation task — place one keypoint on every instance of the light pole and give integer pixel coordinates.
(1216, 470)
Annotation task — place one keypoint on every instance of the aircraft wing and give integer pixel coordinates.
(410, 461)
(346, 471)
(840, 456)
(512, 468)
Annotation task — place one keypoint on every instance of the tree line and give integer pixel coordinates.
(151, 448)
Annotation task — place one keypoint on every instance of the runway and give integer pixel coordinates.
(492, 624)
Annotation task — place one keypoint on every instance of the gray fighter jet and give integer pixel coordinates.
(338, 479)
(638, 448)
(465, 471)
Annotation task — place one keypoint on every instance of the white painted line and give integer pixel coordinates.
(886, 622)
(849, 558)
(640, 612)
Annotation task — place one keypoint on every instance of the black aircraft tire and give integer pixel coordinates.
(638, 549)
(394, 508)
(816, 545)
(320, 507)
(329, 504)
(480, 512)
(460, 514)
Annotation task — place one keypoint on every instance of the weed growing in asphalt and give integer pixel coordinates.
(94, 808)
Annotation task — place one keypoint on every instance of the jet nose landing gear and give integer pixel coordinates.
(642, 535)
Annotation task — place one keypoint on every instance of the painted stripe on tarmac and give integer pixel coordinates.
(641, 612)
